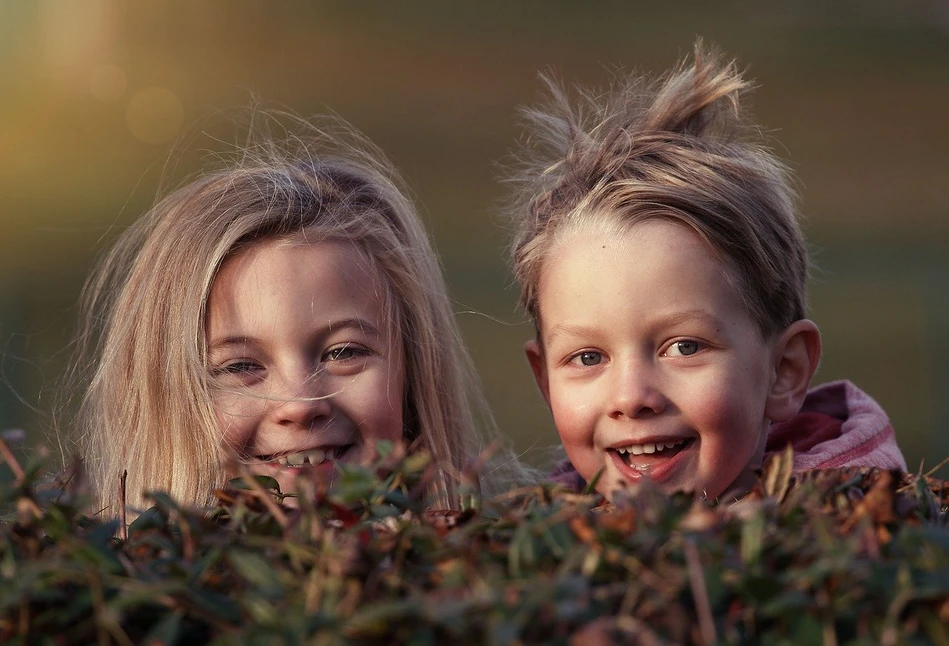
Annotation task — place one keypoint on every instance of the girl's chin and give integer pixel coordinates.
(323, 474)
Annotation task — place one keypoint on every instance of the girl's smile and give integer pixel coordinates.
(303, 366)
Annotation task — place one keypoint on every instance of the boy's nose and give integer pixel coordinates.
(635, 391)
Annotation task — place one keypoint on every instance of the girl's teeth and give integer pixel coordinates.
(314, 458)
(649, 448)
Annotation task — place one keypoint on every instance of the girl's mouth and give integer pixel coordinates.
(303, 459)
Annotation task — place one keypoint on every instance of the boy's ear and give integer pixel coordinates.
(796, 355)
(535, 357)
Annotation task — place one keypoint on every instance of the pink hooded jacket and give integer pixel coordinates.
(838, 425)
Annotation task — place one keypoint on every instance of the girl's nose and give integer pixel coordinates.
(302, 403)
(635, 391)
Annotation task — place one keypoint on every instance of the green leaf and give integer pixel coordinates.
(253, 567)
(165, 632)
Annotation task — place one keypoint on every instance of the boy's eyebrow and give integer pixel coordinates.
(566, 329)
(355, 322)
(663, 320)
(674, 318)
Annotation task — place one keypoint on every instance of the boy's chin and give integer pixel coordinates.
(615, 489)
(621, 490)
(739, 487)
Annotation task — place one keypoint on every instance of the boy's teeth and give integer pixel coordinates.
(639, 449)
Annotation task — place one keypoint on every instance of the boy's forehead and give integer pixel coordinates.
(658, 260)
(614, 232)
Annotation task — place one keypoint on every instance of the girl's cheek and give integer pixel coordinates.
(234, 418)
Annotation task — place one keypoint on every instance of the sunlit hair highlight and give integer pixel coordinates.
(147, 408)
(679, 147)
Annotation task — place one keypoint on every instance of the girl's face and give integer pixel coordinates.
(304, 364)
(649, 361)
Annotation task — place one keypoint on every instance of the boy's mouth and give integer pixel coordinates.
(643, 457)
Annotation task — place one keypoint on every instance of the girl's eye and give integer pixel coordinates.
(240, 371)
(683, 348)
(588, 358)
(237, 368)
(344, 353)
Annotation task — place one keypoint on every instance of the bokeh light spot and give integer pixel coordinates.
(155, 115)
(107, 83)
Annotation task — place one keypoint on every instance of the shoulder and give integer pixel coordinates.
(566, 475)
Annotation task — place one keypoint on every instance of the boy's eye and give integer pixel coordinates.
(683, 348)
(588, 358)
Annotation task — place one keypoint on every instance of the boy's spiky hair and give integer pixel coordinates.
(678, 147)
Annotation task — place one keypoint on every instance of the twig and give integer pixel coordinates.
(936, 468)
(697, 582)
(265, 497)
(11, 461)
(123, 513)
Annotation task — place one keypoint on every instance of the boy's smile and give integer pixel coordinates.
(649, 360)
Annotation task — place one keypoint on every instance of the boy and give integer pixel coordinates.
(660, 257)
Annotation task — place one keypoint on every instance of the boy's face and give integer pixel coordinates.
(650, 362)
(302, 358)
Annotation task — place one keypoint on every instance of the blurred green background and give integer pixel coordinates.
(93, 93)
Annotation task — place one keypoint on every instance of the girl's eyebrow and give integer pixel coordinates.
(229, 341)
(355, 323)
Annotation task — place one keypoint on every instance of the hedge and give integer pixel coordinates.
(850, 556)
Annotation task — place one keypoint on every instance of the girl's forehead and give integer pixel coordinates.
(299, 245)
(280, 264)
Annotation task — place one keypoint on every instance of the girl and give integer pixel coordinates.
(287, 311)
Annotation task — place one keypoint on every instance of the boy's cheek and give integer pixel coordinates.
(576, 427)
(571, 428)
(572, 413)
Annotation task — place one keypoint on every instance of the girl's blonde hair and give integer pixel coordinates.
(147, 408)
(678, 147)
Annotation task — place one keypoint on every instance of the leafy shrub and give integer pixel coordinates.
(847, 556)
